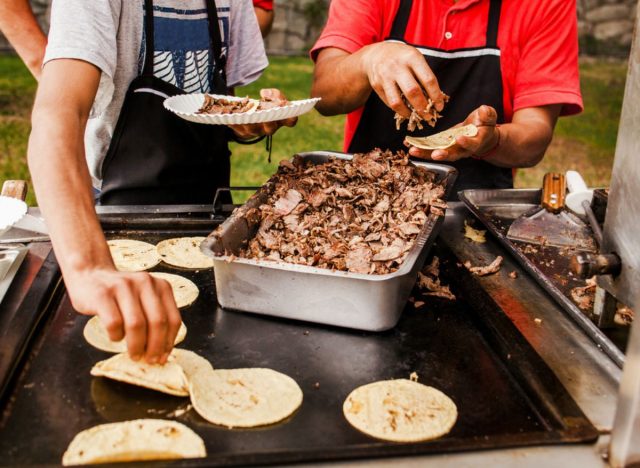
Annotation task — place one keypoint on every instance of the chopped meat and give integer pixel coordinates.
(288, 202)
(624, 315)
(361, 216)
(216, 105)
(429, 281)
(513, 274)
(476, 235)
(359, 260)
(584, 296)
(213, 105)
(490, 269)
(431, 115)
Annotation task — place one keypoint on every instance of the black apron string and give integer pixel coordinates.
(219, 78)
(215, 39)
(493, 23)
(148, 35)
(401, 20)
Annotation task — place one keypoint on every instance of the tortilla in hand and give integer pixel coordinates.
(444, 139)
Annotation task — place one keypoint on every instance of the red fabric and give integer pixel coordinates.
(264, 4)
(538, 40)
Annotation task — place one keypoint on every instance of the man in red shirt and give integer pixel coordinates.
(510, 67)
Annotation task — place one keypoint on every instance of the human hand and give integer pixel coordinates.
(134, 306)
(248, 131)
(488, 137)
(395, 70)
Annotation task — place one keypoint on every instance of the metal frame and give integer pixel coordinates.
(621, 236)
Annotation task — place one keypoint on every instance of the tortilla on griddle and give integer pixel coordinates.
(167, 378)
(191, 362)
(137, 440)
(184, 252)
(244, 397)
(185, 292)
(400, 411)
(133, 255)
(97, 336)
(444, 139)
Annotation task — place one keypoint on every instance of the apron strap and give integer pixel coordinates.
(215, 40)
(493, 23)
(148, 36)
(401, 20)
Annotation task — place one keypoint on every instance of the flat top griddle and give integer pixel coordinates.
(506, 396)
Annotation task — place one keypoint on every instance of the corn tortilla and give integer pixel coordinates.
(185, 292)
(400, 411)
(444, 139)
(97, 336)
(167, 378)
(137, 440)
(133, 255)
(184, 252)
(244, 397)
(191, 362)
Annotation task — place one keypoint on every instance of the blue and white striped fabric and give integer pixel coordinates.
(182, 46)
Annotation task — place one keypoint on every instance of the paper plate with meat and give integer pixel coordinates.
(214, 109)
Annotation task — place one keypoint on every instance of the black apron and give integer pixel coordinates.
(155, 157)
(471, 77)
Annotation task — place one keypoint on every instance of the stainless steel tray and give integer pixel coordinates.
(497, 209)
(365, 302)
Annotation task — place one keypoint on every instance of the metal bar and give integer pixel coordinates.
(622, 222)
(625, 439)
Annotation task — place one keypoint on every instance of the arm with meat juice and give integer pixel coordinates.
(135, 306)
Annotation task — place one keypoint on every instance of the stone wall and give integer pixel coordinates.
(605, 27)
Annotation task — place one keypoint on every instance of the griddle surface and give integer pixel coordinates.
(505, 394)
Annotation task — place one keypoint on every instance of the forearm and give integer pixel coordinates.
(265, 20)
(63, 187)
(524, 141)
(340, 80)
(20, 27)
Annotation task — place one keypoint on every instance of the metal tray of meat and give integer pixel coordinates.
(345, 299)
(548, 265)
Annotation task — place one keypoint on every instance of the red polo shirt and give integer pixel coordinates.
(538, 41)
(264, 4)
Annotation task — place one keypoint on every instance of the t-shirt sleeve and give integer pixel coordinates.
(548, 66)
(85, 31)
(264, 4)
(247, 58)
(352, 24)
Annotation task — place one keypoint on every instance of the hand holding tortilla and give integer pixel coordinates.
(97, 336)
(466, 143)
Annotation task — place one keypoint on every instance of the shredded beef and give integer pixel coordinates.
(361, 216)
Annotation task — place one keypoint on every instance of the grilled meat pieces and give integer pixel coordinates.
(416, 119)
(214, 105)
(360, 216)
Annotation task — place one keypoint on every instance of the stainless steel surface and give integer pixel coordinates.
(365, 302)
(509, 204)
(593, 222)
(622, 222)
(621, 236)
(9, 266)
(625, 438)
(604, 308)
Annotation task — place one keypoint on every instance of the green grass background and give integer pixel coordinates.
(585, 142)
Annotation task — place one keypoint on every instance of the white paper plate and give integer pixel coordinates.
(186, 106)
(11, 211)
